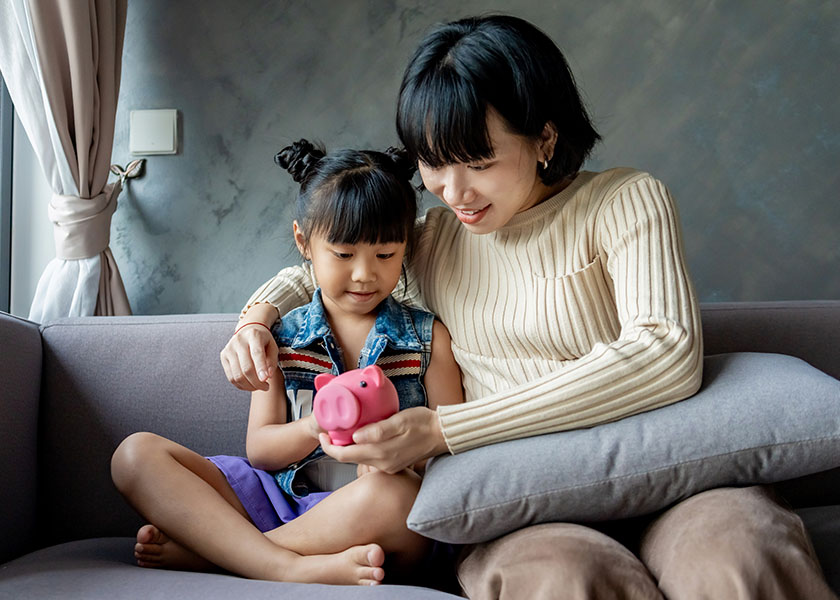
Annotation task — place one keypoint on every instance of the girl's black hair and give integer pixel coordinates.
(353, 196)
(463, 68)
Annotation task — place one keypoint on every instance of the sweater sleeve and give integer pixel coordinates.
(656, 359)
(290, 288)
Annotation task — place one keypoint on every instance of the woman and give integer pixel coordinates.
(569, 304)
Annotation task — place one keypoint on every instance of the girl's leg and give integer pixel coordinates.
(373, 508)
(189, 499)
(734, 543)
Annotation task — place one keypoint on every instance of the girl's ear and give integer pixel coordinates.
(300, 240)
(547, 141)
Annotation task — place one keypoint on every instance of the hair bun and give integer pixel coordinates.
(403, 164)
(299, 159)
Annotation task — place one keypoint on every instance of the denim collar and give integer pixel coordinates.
(393, 323)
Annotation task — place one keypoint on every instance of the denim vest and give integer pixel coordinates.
(400, 342)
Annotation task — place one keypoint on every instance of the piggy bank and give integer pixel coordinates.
(345, 402)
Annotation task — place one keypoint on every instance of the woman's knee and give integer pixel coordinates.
(733, 543)
(554, 560)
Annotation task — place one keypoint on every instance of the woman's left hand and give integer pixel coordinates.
(393, 444)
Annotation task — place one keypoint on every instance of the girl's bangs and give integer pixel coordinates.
(441, 121)
(359, 216)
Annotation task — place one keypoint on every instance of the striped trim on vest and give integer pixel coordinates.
(304, 360)
(400, 365)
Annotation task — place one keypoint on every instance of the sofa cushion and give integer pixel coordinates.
(103, 568)
(758, 418)
(107, 377)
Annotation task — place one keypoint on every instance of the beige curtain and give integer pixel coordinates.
(61, 61)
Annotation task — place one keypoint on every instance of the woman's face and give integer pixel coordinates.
(485, 195)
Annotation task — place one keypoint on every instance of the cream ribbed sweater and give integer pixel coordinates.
(577, 312)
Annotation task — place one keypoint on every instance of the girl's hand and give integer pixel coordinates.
(315, 430)
(250, 356)
(364, 469)
(393, 444)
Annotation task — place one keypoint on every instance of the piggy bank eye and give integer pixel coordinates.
(363, 384)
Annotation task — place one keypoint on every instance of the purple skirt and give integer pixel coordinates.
(267, 505)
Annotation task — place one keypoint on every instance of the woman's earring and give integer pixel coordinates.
(545, 164)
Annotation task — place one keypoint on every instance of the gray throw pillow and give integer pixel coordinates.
(758, 418)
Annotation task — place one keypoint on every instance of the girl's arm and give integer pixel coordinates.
(443, 377)
(271, 442)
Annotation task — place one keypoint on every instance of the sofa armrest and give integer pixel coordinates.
(20, 387)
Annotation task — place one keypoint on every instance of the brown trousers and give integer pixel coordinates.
(724, 544)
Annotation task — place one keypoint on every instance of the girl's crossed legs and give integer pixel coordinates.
(199, 522)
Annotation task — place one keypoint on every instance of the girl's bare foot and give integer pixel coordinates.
(155, 549)
(359, 565)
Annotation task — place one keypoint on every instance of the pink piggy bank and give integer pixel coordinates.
(345, 402)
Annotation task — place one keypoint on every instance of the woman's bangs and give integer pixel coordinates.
(442, 121)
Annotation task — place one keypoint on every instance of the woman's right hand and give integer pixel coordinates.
(250, 356)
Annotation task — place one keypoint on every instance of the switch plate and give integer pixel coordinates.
(153, 131)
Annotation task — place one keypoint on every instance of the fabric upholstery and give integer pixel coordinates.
(758, 418)
(20, 371)
(809, 330)
(104, 568)
(105, 378)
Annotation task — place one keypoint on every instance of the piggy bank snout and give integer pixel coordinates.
(337, 409)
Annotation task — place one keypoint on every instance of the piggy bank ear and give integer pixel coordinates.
(373, 374)
(323, 379)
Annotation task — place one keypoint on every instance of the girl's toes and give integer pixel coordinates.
(147, 550)
(375, 577)
(149, 534)
(374, 555)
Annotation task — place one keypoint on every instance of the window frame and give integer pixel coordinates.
(6, 149)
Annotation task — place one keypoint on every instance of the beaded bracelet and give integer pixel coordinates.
(251, 323)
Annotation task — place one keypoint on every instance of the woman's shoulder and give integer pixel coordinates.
(612, 181)
(615, 186)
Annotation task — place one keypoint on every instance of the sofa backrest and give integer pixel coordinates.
(20, 385)
(809, 330)
(105, 378)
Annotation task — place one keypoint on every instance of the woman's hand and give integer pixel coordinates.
(250, 356)
(394, 444)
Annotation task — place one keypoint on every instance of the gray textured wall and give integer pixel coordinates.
(732, 104)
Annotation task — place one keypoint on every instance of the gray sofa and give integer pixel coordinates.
(70, 391)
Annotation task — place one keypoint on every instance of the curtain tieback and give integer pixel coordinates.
(82, 226)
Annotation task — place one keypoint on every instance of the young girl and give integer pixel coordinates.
(288, 512)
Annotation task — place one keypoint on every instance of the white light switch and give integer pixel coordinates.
(153, 131)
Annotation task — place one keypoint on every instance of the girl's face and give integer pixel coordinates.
(485, 195)
(354, 278)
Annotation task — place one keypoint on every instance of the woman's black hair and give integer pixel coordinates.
(353, 196)
(464, 68)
